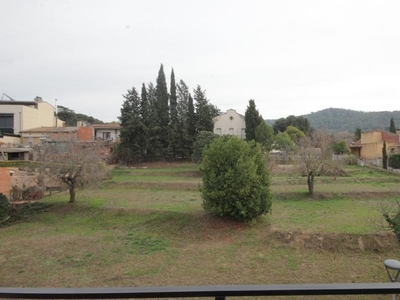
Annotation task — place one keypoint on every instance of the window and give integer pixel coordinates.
(218, 131)
(106, 135)
(243, 133)
(7, 123)
(230, 131)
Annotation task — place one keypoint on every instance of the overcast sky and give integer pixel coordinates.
(291, 57)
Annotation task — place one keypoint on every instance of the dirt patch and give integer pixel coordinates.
(327, 196)
(335, 242)
(204, 228)
(168, 186)
(161, 164)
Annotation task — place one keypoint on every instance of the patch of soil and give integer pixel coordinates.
(168, 186)
(336, 242)
(327, 196)
(161, 164)
(206, 227)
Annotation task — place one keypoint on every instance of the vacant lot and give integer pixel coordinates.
(146, 227)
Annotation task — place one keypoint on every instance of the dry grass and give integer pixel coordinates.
(139, 235)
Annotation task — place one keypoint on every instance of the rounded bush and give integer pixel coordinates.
(235, 179)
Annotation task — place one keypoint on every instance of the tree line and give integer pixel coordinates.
(162, 124)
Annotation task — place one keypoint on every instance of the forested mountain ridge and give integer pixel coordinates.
(339, 119)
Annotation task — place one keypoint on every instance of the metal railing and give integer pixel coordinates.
(218, 292)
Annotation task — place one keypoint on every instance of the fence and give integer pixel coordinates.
(219, 292)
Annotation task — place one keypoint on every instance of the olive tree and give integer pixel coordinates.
(235, 179)
(74, 164)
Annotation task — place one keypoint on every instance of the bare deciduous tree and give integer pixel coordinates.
(311, 161)
(76, 164)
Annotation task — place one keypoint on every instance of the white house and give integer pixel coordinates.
(107, 132)
(230, 123)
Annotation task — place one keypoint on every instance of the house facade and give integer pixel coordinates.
(96, 132)
(16, 116)
(109, 132)
(369, 147)
(230, 123)
(42, 135)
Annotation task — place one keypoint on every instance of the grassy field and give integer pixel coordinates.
(146, 227)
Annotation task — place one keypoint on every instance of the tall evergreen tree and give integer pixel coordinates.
(205, 112)
(184, 144)
(384, 156)
(145, 107)
(173, 125)
(133, 131)
(357, 134)
(252, 119)
(191, 120)
(162, 109)
(155, 148)
(392, 126)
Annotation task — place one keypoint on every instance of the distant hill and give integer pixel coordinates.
(339, 119)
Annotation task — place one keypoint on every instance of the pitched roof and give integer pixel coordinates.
(107, 126)
(45, 129)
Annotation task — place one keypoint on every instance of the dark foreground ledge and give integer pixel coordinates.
(214, 291)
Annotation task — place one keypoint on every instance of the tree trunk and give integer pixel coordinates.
(310, 183)
(72, 192)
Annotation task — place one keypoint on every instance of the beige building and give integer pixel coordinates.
(16, 116)
(369, 147)
(230, 123)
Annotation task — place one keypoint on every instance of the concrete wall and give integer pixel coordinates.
(230, 123)
(38, 138)
(10, 141)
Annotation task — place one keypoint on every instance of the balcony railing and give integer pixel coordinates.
(218, 292)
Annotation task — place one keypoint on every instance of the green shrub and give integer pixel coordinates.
(394, 161)
(203, 139)
(5, 208)
(351, 160)
(235, 179)
(393, 221)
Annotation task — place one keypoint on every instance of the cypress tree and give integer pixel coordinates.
(392, 126)
(252, 118)
(162, 109)
(155, 149)
(173, 128)
(183, 144)
(357, 134)
(204, 111)
(191, 122)
(133, 131)
(145, 107)
(384, 156)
